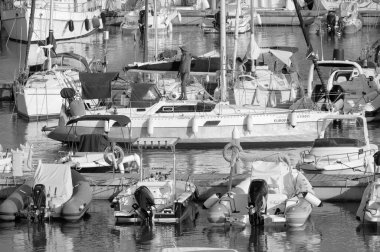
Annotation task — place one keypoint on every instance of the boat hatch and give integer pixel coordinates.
(211, 123)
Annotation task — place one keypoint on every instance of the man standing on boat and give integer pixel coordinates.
(184, 71)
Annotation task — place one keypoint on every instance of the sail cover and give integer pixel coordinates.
(96, 85)
(57, 181)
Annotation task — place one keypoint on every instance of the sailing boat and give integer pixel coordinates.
(71, 19)
(201, 123)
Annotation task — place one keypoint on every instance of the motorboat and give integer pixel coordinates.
(272, 194)
(130, 23)
(96, 154)
(55, 191)
(363, 5)
(70, 19)
(343, 147)
(353, 85)
(159, 197)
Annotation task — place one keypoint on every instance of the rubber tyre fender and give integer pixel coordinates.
(114, 149)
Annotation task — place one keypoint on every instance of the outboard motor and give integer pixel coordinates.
(257, 201)
(145, 201)
(39, 202)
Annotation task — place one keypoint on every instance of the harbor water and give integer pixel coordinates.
(332, 227)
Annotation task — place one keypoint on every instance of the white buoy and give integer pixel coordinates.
(293, 119)
(195, 126)
(249, 123)
(211, 201)
(150, 126)
(312, 199)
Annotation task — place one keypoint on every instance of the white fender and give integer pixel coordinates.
(211, 201)
(235, 133)
(195, 126)
(293, 119)
(131, 158)
(312, 199)
(249, 123)
(107, 126)
(150, 126)
(170, 27)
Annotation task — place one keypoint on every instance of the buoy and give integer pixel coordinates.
(71, 25)
(95, 22)
(211, 201)
(87, 24)
(150, 126)
(293, 119)
(194, 125)
(312, 199)
(249, 123)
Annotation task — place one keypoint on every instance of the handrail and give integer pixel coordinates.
(334, 157)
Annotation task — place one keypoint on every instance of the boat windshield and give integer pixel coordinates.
(343, 132)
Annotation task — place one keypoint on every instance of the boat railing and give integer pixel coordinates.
(308, 158)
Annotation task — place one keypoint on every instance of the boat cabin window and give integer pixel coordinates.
(187, 108)
(335, 142)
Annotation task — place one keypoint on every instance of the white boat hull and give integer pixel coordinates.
(16, 23)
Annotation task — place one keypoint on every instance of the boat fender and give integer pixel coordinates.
(312, 199)
(113, 150)
(150, 126)
(95, 22)
(293, 119)
(71, 25)
(211, 201)
(170, 27)
(103, 17)
(173, 96)
(87, 24)
(249, 123)
(233, 147)
(195, 126)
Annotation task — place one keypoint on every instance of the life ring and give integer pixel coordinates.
(230, 146)
(117, 151)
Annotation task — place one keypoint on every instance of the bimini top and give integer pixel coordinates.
(122, 120)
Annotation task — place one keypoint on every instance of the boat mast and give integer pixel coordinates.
(237, 19)
(50, 34)
(252, 41)
(146, 37)
(309, 47)
(155, 31)
(223, 84)
(30, 33)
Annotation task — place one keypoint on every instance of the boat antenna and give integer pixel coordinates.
(30, 33)
(310, 51)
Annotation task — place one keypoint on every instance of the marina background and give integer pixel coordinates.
(330, 228)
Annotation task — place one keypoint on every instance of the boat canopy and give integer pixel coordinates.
(122, 120)
(97, 85)
(144, 95)
(57, 181)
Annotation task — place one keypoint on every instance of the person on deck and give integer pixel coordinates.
(184, 71)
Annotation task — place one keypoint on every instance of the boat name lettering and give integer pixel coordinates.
(280, 120)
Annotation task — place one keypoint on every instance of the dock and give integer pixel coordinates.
(333, 188)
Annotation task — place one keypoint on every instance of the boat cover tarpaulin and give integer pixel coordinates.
(57, 181)
(96, 85)
(93, 143)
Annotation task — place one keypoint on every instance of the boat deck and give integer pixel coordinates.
(106, 185)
